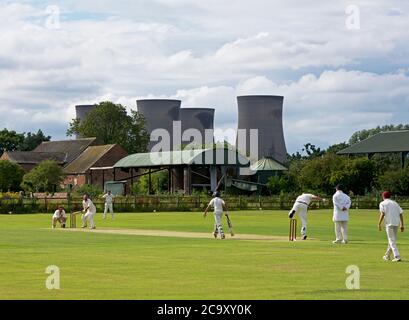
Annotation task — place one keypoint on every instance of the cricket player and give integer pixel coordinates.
(218, 204)
(342, 203)
(60, 216)
(300, 208)
(109, 205)
(89, 212)
(392, 213)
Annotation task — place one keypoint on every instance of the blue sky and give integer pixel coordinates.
(335, 79)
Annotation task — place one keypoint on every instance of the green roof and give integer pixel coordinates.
(267, 164)
(385, 142)
(217, 156)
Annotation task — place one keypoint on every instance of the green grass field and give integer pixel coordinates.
(115, 266)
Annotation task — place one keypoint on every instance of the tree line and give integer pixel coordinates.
(319, 170)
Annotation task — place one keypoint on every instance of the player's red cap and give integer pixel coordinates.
(386, 195)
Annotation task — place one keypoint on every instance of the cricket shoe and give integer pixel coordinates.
(397, 260)
(386, 258)
(222, 236)
(83, 227)
(291, 214)
(337, 242)
(304, 237)
(215, 235)
(92, 228)
(344, 242)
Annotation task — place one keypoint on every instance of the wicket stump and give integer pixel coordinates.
(293, 230)
(73, 220)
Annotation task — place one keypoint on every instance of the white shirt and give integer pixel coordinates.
(90, 205)
(305, 198)
(59, 214)
(217, 203)
(109, 198)
(392, 212)
(341, 200)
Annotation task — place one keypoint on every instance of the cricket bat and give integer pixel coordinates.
(230, 225)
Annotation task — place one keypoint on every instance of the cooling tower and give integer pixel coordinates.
(264, 113)
(82, 110)
(159, 114)
(199, 119)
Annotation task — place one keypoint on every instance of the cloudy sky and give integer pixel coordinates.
(337, 76)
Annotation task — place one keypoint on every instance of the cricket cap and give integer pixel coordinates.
(386, 195)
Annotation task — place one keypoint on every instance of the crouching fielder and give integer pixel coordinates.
(89, 212)
(392, 213)
(218, 204)
(300, 208)
(59, 216)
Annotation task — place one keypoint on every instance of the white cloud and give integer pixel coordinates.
(206, 53)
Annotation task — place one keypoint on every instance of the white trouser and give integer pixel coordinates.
(218, 222)
(110, 207)
(89, 216)
(341, 230)
(392, 233)
(301, 210)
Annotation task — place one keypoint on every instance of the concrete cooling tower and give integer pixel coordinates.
(264, 113)
(200, 119)
(81, 112)
(159, 113)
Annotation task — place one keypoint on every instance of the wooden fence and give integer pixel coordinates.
(176, 203)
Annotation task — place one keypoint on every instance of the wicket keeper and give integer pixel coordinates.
(392, 213)
(300, 208)
(218, 204)
(59, 216)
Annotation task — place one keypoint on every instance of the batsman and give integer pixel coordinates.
(219, 205)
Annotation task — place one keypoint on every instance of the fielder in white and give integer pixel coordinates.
(89, 212)
(218, 204)
(392, 213)
(300, 208)
(59, 216)
(342, 203)
(109, 205)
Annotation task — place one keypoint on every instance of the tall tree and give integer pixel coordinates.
(46, 177)
(33, 140)
(111, 124)
(10, 140)
(11, 175)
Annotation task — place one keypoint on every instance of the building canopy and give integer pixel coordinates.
(385, 142)
(200, 157)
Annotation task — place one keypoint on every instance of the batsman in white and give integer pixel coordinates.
(300, 208)
(109, 204)
(59, 216)
(342, 203)
(218, 204)
(392, 213)
(89, 212)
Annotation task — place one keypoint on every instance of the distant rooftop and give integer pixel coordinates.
(384, 142)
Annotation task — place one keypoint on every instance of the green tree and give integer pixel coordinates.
(32, 140)
(159, 181)
(10, 140)
(111, 124)
(11, 175)
(395, 181)
(46, 177)
(88, 189)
